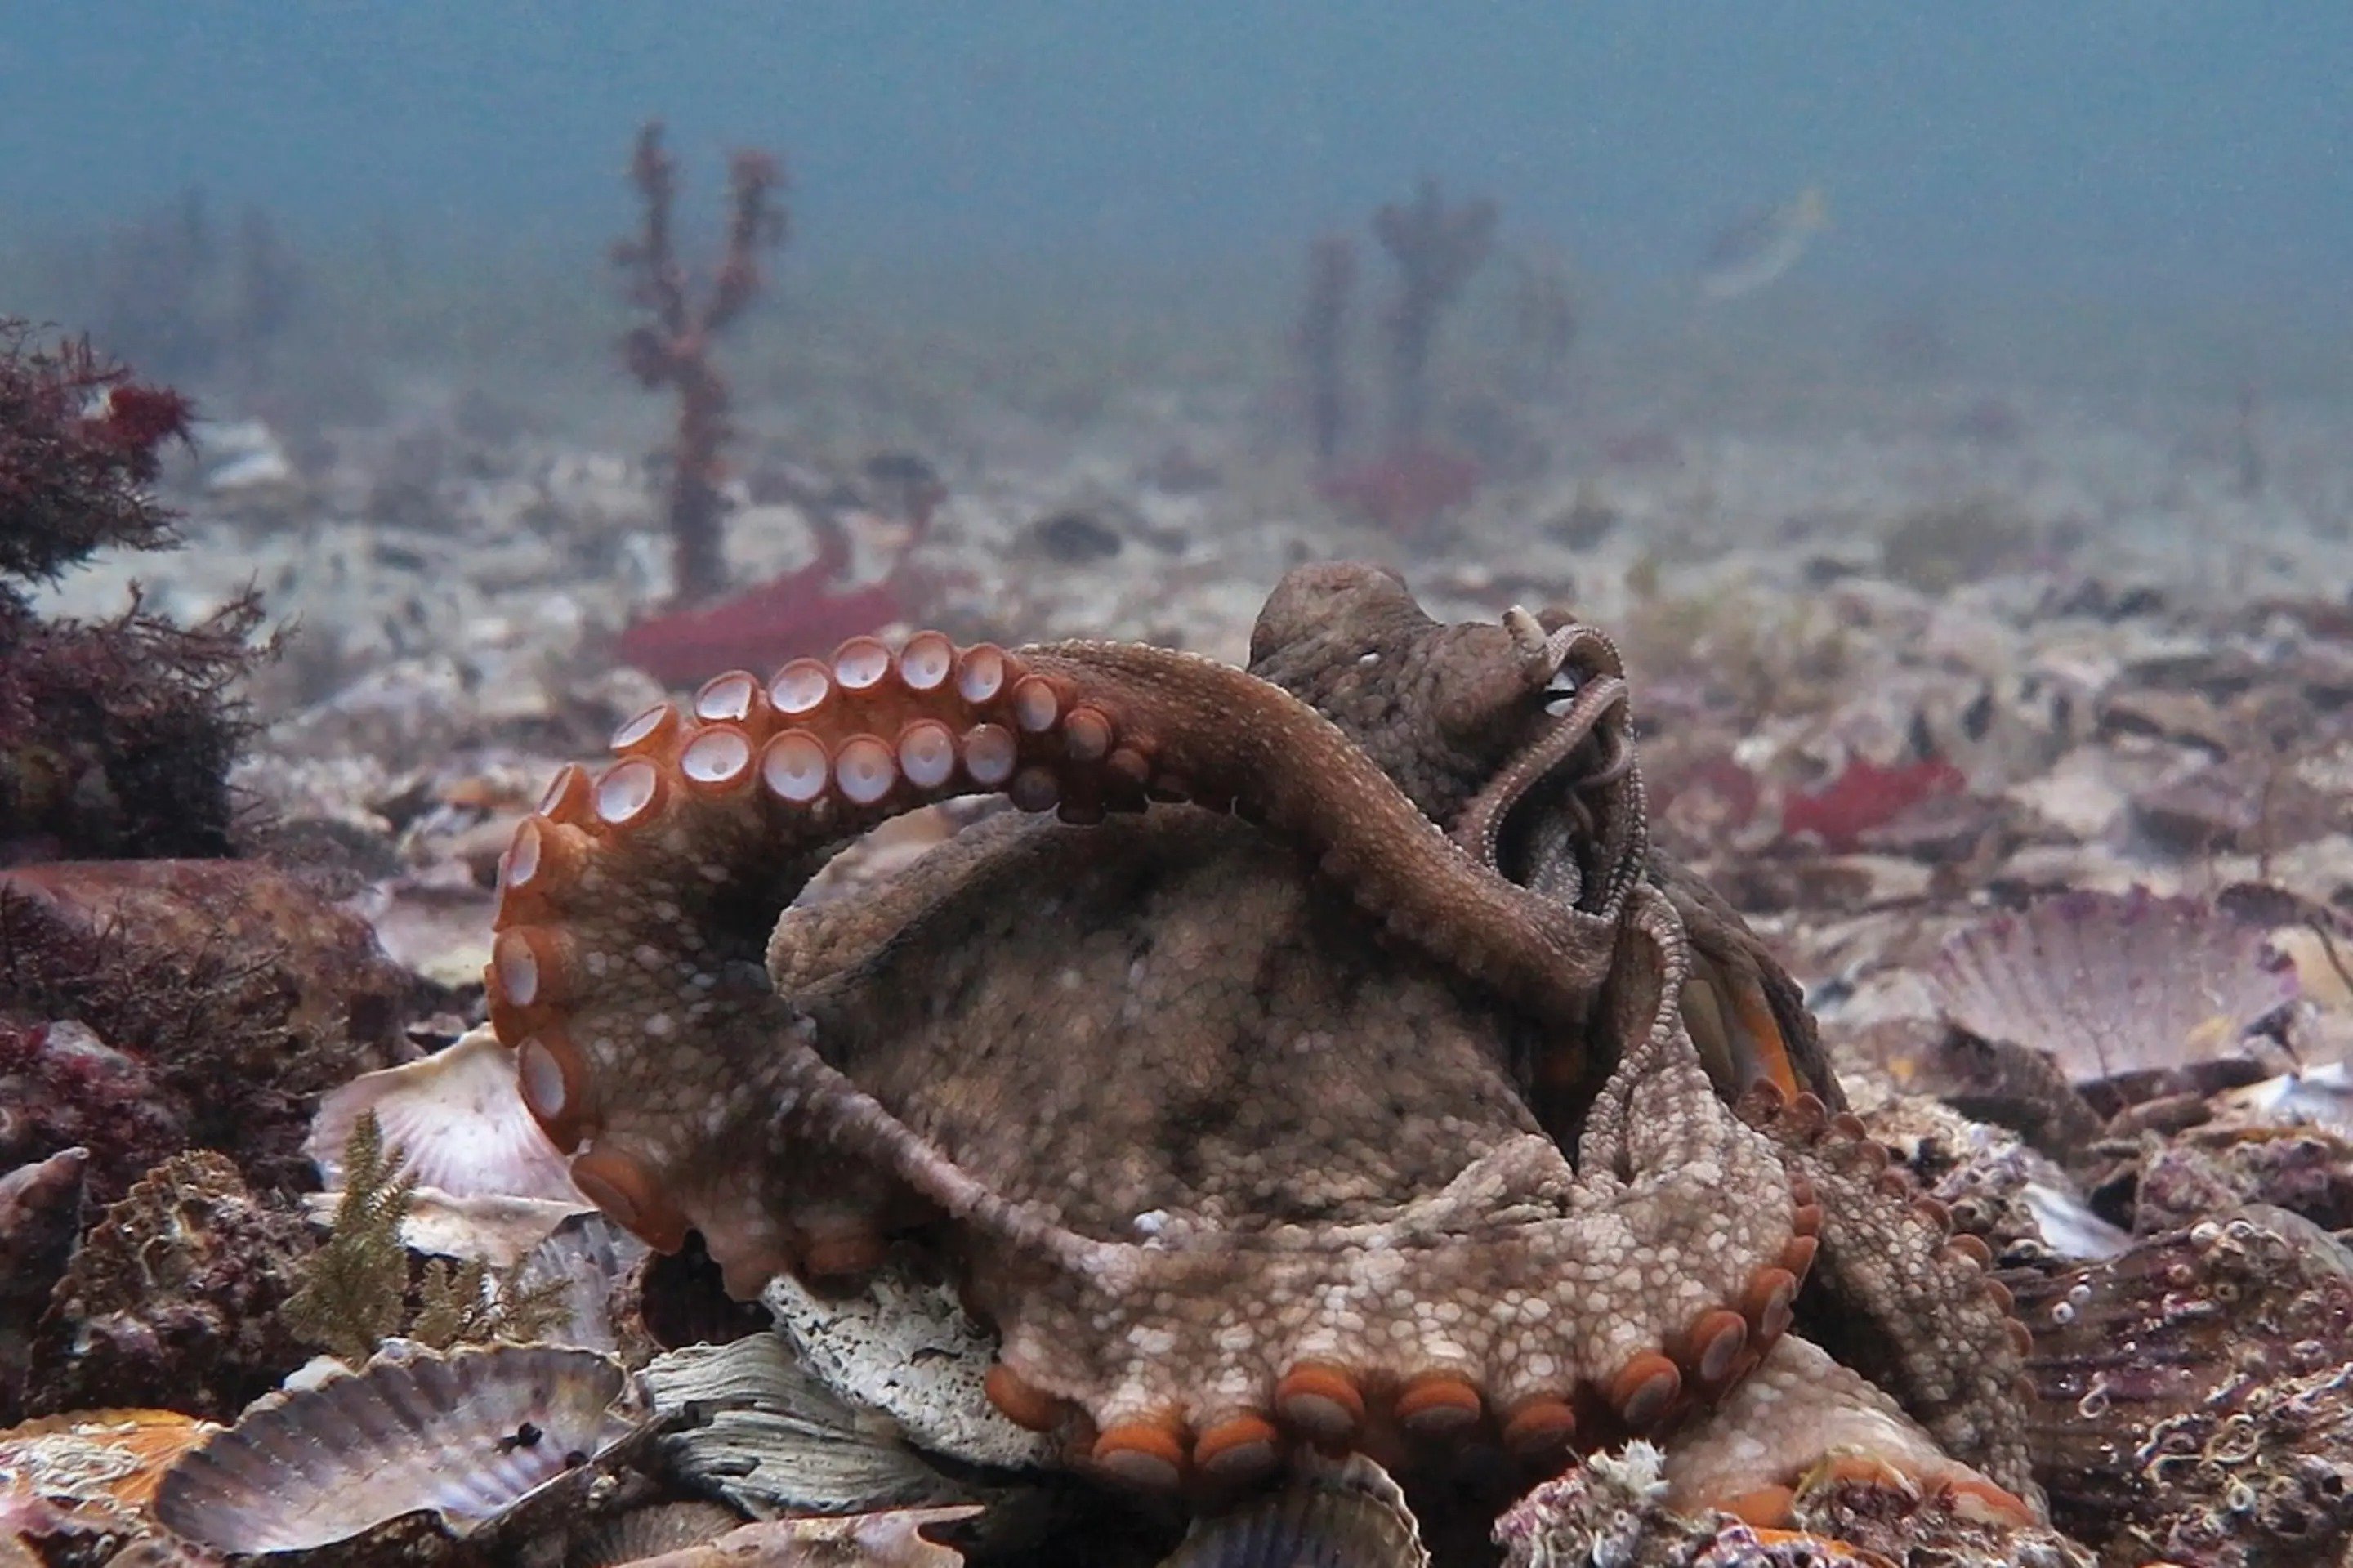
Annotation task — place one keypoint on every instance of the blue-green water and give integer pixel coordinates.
(2199, 147)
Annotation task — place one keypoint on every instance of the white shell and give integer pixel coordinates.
(904, 1346)
(500, 1232)
(757, 1428)
(891, 1537)
(2106, 984)
(459, 1119)
(466, 1435)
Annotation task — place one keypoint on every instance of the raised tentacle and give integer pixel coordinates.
(1584, 752)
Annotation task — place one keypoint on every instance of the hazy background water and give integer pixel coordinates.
(2148, 190)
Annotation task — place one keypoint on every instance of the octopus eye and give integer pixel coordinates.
(1559, 692)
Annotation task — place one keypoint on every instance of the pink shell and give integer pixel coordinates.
(2107, 984)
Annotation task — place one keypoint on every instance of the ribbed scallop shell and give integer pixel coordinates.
(644, 1532)
(1345, 1515)
(589, 1254)
(461, 1120)
(468, 1436)
(2109, 984)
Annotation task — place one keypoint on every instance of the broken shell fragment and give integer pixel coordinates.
(468, 1436)
(110, 1458)
(893, 1537)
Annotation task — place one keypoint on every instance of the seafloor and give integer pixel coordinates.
(2012, 704)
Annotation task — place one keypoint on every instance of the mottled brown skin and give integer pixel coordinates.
(1334, 1129)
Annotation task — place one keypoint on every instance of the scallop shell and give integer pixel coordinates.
(650, 1532)
(460, 1119)
(589, 1254)
(468, 1436)
(2107, 985)
(1348, 1514)
(500, 1232)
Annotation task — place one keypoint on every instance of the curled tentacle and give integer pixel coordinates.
(1563, 814)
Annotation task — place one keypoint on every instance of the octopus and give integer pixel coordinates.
(1318, 1057)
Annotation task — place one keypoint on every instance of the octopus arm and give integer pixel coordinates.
(1911, 1304)
(625, 976)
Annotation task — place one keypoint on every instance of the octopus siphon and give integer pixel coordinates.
(1320, 1056)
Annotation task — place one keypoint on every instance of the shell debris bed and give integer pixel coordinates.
(1974, 769)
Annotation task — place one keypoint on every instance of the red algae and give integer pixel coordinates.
(799, 613)
(1867, 796)
(1404, 491)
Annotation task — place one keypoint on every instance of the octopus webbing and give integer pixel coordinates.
(1341, 1069)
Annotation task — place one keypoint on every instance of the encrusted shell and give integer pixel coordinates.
(468, 1436)
(2107, 985)
(2196, 1392)
(458, 1118)
(904, 1346)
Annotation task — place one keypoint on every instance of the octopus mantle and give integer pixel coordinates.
(1340, 1069)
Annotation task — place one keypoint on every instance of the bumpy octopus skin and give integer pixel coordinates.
(1233, 1157)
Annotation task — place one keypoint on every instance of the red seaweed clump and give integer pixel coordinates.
(1704, 796)
(148, 1007)
(115, 737)
(1866, 796)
